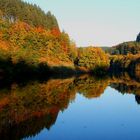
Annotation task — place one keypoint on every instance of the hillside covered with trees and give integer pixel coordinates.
(30, 42)
(125, 56)
(131, 47)
(14, 10)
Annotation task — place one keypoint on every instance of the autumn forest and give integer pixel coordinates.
(31, 42)
(50, 85)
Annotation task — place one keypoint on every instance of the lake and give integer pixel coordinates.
(76, 108)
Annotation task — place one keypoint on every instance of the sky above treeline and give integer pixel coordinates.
(95, 22)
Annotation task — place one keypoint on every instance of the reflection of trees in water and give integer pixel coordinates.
(27, 127)
(91, 87)
(26, 110)
(137, 97)
(126, 85)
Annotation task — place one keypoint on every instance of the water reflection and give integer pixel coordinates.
(126, 85)
(27, 109)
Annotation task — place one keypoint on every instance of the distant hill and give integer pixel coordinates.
(106, 49)
(131, 47)
(18, 10)
(125, 48)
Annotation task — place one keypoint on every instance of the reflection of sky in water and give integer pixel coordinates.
(112, 116)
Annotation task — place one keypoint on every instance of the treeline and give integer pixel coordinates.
(131, 47)
(14, 10)
(125, 48)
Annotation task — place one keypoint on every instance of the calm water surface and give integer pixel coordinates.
(82, 108)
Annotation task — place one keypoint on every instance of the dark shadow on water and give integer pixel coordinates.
(22, 72)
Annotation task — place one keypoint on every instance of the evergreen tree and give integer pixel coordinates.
(32, 14)
(138, 38)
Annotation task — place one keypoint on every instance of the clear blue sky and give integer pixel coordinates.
(96, 22)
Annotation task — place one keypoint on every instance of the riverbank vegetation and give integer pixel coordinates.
(31, 43)
(125, 62)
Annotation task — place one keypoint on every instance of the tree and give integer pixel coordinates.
(92, 58)
(138, 38)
